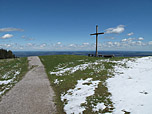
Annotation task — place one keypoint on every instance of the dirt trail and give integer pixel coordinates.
(32, 95)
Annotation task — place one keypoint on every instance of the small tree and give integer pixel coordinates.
(4, 54)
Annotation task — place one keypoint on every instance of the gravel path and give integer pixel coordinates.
(32, 95)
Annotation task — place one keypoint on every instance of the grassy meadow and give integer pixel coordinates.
(64, 71)
(11, 71)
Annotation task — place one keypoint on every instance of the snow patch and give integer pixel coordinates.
(5, 82)
(131, 87)
(2, 92)
(67, 71)
(99, 106)
(70, 70)
(5, 76)
(56, 81)
(77, 96)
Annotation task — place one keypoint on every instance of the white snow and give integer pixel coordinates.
(67, 71)
(5, 76)
(131, 87)
(99, 106)
(5, 82)
(16, 73)
(1, 92)
(75, 97)
(80, 60)
(56, 81)
(70, 70)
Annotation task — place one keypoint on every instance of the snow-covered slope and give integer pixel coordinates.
(131, 87)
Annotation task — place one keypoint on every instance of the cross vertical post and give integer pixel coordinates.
(97, 39)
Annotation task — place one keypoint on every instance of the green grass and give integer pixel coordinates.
(8, 69)
(101, 71)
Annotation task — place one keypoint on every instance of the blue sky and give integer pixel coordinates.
(62, 25)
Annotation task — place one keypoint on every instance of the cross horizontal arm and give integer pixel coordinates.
(97, 33)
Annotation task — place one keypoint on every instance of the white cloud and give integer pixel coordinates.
(109, 37)
(6, 36)
(34, 46)
(7, 45)
(85, 43)
(43, 45)
(124, 40)
(139, 43)
(10, 29)
(21, 48)
(124, 44)
(72, 45)
(29, 44)
(150, 42)
(23, 37)
(127, 40)
(110, 43)
(130, 39)
(129, 34)
(27, 38)
(117, 44)
(117, 30)
(59, 43)
(140, 38)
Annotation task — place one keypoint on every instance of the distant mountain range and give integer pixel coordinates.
(116, 53)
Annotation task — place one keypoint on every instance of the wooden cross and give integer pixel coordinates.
(97, 39)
